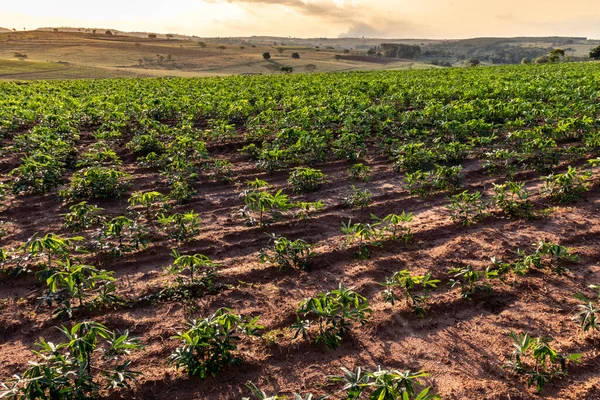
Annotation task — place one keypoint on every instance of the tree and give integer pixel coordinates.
(21, 56)
(202, 44)
(555, 55)
(526, 61)
(295, 55)
(542, 60)
(170, 35)
(93, 31)
(287, 70)
(372, 51)
(280, 50)
(152, 35)
(310, 67)
(473, 62)
(221, 47)
(595, 53)
(108, 33)
(267, 55)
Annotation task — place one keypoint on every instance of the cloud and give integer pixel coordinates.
(352, 18)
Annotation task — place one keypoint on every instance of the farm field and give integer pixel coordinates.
(390, 220)
(73, 55)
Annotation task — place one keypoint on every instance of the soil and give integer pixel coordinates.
(461, 343)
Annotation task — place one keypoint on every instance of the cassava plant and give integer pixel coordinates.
(287, 253)
(407, 283)
(82, 216)
(76, 286)
(121, 235)
(335, 312)
(537, 362)
(181, 226)
(467, 208)
(89, 364)
(363, 235)
(262, 207)
(396, 225)
(357, 197)
(587, 317)
(208, 345)
(513, 199)
(470, 280)
(567, 187)
(306, 180)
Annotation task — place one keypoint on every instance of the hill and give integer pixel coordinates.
(112, 53)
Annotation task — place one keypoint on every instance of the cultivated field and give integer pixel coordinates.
(73, 53)
(437, 212)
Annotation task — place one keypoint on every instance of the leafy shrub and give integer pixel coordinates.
(37, 174)
(567, 187)
(259, 203)
(587, 317)
(535, 360)
(85, 284)
(306, 180)
(99, 156)
(144, 144)
(152, 202)
(200, 267)
(406, 282)
(97, 183)
(306, 208)
(47, 252)
(357, 198)
(360, 172)
(208, 344)
(181, 226)
(182, 191)
(466, 207)
(220, 170)
(78, 368)
(471, 281)
(82, 216)
(513, 199)
(364, 235)
(413, 157)
(335, 312)
(546, 255)
(425, 183)
(121, 235)
(395, 224)
(287, 253)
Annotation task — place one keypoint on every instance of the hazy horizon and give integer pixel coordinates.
(427, 19)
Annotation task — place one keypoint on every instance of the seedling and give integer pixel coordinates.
(513, 199)
(181, 226)
(287, 253)
(207, 345)
(305, 180)
(567, 187)
(406, 283)
(535, 360)
(79, 368)
(466, 207)
(335, 313)
(82, 216)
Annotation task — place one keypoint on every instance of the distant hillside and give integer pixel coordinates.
(4, 30)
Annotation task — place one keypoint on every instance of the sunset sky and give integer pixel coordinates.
(316, 18)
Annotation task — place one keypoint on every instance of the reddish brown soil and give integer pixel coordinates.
(462, 343)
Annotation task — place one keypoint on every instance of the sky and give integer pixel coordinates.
(442, 19)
